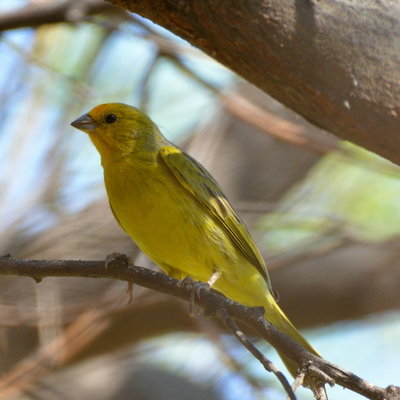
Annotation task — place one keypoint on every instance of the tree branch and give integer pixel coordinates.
(329, 63)
(119, 268)
(37, 14)
(267, 364)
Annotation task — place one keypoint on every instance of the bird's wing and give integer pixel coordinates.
(199, 182)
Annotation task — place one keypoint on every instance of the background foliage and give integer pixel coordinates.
(50, 176)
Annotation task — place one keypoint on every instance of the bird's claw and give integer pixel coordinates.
(128, 260)
(129, 292)
(197, 286)
(122, 257)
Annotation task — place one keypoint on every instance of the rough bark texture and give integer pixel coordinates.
(333, 62)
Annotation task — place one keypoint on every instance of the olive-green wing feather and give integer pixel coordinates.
(199, 182)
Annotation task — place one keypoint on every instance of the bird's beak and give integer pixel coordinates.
(84, 123)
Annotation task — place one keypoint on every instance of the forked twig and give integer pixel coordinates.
(267, 364)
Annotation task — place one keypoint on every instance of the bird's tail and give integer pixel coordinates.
(276, 316)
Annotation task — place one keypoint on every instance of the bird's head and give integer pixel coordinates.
(119, 130)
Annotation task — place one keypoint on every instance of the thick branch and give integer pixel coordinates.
(118, 269)
(332, 62)
(328, 63)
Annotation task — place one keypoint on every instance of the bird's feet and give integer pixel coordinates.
(197, 287)
(123, 258)
(120, 258)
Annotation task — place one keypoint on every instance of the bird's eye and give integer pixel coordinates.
(111, 118)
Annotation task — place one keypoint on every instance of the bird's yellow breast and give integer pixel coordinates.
(171, 227)
(165, 221)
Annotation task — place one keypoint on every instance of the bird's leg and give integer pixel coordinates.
(128, 261)
(197, 287)
(213, 279)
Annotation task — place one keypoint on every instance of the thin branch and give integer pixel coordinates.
(119, 268)
(298, 381)
(144, 82)
(34, 15)
(212, 331)
(267, 364)
(277, 126)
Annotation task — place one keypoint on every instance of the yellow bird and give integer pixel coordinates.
(175, 211)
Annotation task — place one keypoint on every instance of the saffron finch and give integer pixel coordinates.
(175, 211)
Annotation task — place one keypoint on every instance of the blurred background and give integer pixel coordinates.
(325, 215)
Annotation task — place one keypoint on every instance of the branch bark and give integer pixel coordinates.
(119, 268)
(331, 64)
(335, 63)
